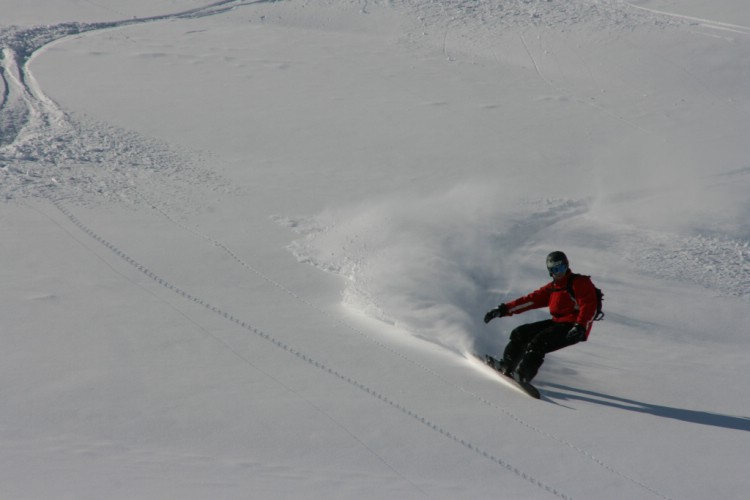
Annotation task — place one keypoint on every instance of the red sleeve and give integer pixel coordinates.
(534, 300)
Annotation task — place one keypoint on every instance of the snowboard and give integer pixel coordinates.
(526, 387)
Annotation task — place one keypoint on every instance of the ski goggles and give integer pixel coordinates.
(557, 269)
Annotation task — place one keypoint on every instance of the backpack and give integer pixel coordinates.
(599, 297)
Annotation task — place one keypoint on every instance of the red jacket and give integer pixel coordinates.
(562, 307)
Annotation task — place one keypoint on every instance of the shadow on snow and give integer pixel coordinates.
(561, 392)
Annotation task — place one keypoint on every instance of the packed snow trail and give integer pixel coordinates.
(43, 150)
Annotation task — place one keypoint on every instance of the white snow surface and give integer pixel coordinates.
(248, 245)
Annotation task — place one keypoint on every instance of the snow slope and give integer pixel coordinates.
(248, 246)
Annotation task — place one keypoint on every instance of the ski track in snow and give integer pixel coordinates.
(44, 151)
(300, 355)
(708, 23)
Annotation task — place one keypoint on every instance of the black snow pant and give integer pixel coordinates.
(529, 343)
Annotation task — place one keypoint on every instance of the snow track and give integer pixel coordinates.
(708, 23)
(43, 150)
(302, 356)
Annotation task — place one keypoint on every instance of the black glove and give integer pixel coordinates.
(498, 312)
(577, 333)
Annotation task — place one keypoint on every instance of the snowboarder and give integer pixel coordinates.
(573, 303)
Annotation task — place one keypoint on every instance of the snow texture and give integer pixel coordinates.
(249, 244)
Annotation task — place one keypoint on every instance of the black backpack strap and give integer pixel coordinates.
(570, 285)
